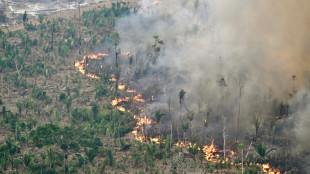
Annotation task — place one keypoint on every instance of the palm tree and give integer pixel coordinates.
(53, 27)
(293, 80)
(19, 107)
(158, 117)
(50, 150)
(116, 40)
(26, 159)
(24, 18)
(190, 117)
(261, 150)
(181, 97)
(181, 100)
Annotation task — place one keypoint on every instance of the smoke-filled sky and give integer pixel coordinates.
(259, 43)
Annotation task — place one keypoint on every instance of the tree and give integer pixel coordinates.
(19, 107)
(185, 127)
(156, 46)
(256, 122)
(222, 84)
(116, 39)
(69, 103)
(241, 80)
(41, 18)
(190, 117)
(95, 109)
(62, 96)
(25, 18)
(169, 110)
(79, 24)
(53, 27)
(26, 159)
(261, 150)
(181, 100)
(110, 158)
(50, 152)
(12, 148)
(293, 81)
(158, 117)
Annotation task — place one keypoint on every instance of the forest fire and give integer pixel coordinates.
(266, 168)
(121, 108)
(138, 131)
(130, 90)
(82, 65)
(180, 144)
(117, 101)
(209, 151)
(121, 87)
(112, 79)
(138, 98)
(157, 2)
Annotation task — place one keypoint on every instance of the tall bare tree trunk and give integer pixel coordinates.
(224, 138)
(242, 161)
(169, 106)
(239, 106)
(79, 25)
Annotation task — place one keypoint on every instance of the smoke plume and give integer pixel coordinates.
(256, 46)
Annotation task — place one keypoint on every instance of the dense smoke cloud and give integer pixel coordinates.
(259, 43)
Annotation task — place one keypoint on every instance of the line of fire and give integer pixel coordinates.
(147, 129)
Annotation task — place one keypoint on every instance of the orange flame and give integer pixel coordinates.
(130, 91)
(138, 98)
(116, 101)
(112, 79)
(269, 170)
(121, 108)
(157, 2)
(80, 65)
(155, 140)
(121, 87)
(209, 151)
(138, 131)
(180, 144)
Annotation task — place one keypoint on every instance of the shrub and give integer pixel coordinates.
(62, 97)
(110, 158)
(124, 146)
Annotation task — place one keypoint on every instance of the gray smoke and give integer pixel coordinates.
(256, 45)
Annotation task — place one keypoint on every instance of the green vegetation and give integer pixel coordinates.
(55, 120)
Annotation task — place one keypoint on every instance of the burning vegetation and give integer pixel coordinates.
(198, 91)
(83, 65)
(145, 124)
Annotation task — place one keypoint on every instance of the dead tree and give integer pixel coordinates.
(257, 122)
(222, 84)
(241, 82)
